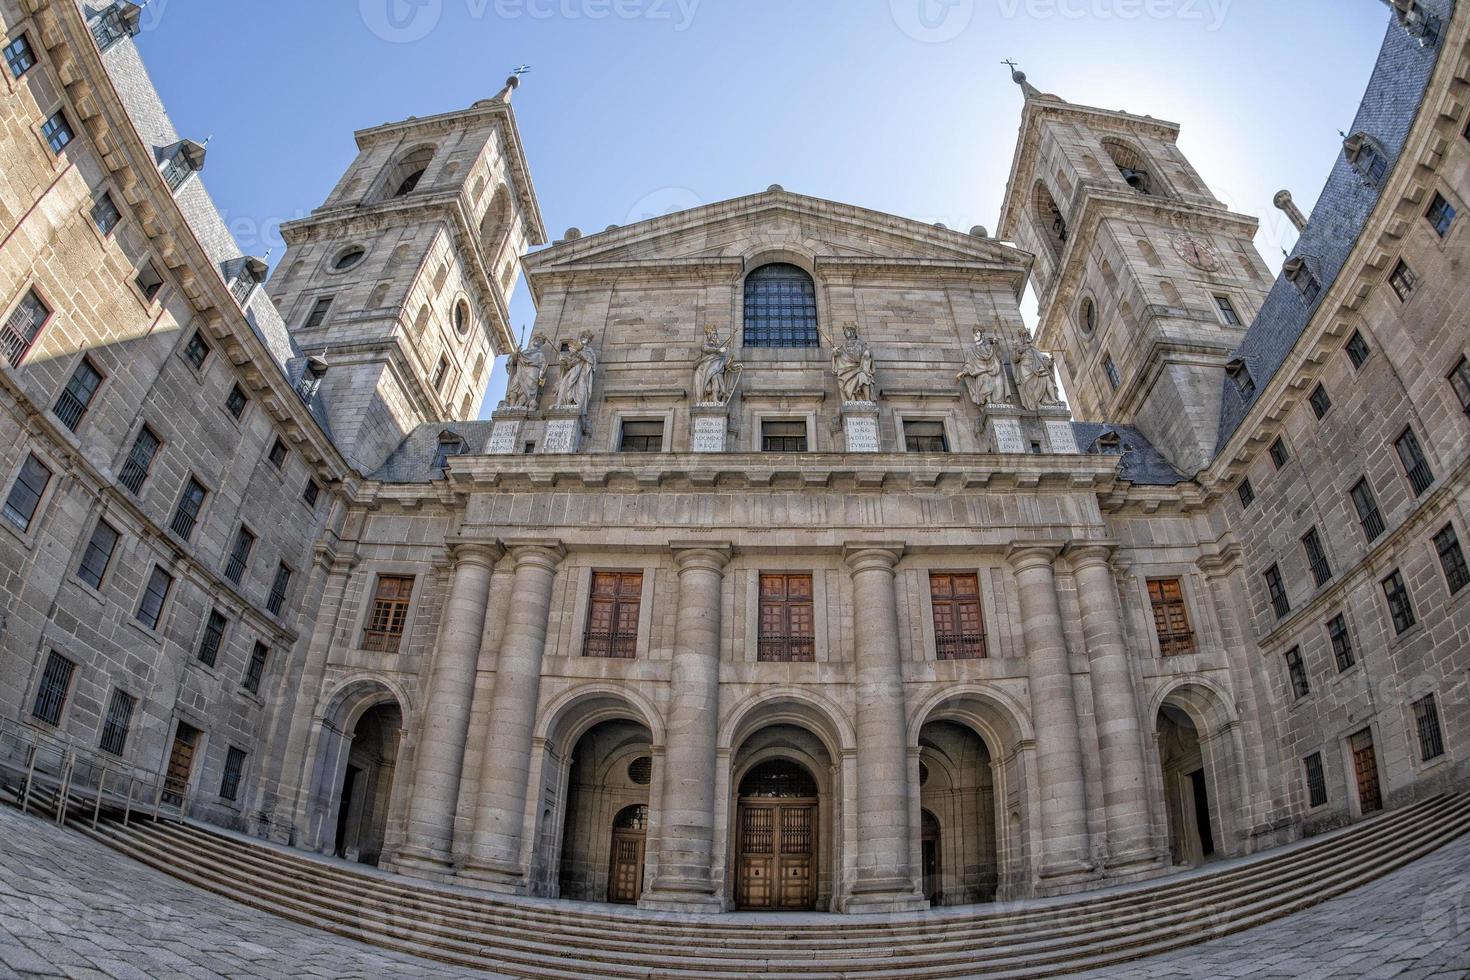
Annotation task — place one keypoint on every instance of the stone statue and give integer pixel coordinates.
(715, 375)
(1036, 379)
(526, 375)
(578, 364)
(984, 375)
(852, 362)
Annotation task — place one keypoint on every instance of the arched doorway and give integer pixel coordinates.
(366, 784)
(958, 848)
(628, 849)
(776, 829)
(604, 821)
(1186, 788)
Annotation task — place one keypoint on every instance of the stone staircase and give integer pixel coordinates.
(551, 939)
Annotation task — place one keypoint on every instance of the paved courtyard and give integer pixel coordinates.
(71, 907)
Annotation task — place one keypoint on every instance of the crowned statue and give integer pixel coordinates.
(715, 374)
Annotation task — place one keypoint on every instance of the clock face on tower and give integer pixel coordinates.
(1199, 254)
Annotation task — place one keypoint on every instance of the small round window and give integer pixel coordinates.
(461, 317)
(1088, 316)
(640, 770)
(348, 259)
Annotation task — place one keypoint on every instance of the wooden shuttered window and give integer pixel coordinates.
(612, 615)
(787, 618)
(385, 623)
(1171, 617)
(959, 623)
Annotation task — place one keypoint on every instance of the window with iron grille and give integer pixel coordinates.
(1321, 404)
(26, 493)
(787, 618)
(55, 683)
(1366, 504)
(196, 351)
(229, 783)
(1111, 370)
(1297, 671)
(1451, 558)
(186, 514)
(1227, 311)
(1400, 608)
(1171, 616)
(780, 308)
(1357, 350)
(236, 402)
(1403, 280)
(98, 554)
(255, 669)
(278, 453)
(239, 559)
(1426, 724)
(780, 436)
(1247, 494)
(1279, 456)
(176, 170)
(277, 597)
(140, 460)
(924, 436)
(1441, 215)
(1316, 780)
(1460, 382)
(119, 717)
(1342, 642)
(57, 132)
(1416, 467)
(1316, 557)
(22, 326)
(19, 57)
(311, 492)
(213, 638)
(612, 615)
(77, 396)
(641, 437)
(318, 312)
(109, 28)
(1279, 602)
(959, 621)
(150, 606)
(389, 614)
(105, 214)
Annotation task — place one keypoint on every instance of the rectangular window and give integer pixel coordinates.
(277, 597)
(312, 491)
(1321, 404)
(229, 783)
(255, 669)
(441, 371)
(1279, 456)
(196, 351)
(612, 615)
(1171, 617)
(959, 621)
(1316, 558)
(236, 402)
(921, 436)
(213, 638)
(148, 281)
(1111, 370)
(385, 624)
(115, 728)
(1403, 280)
(1297, 672)
(109, 28)
(278, 453)
(1451, 559)
(1342, 642)
(1416, 467)
(1279, 603)
(1247, 494)
(318, 313)
(1227, 311)
(641, 437)
(1366, 505)
(1441, 215)
(140, 460)
(244, 283)
(105, 214)
(176, 170)
(150, 606)
(98, 554)
(57, 132)
(55, 683)
(186, 514)
(239, 559)
(25, 494)
(787, 618)
(1400, 608)
(1357, 350)
(18, 56)
(77, 396)
(1426, 724)
(22, 326)
(1460, 382)
(783, 436)
(1316, 781)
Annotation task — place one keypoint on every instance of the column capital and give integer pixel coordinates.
(546, 552)
(473, 551)
(862, 556)
(1083, 554)
(711, 556)
(1028, 554)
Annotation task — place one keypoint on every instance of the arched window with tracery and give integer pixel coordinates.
(780, 307)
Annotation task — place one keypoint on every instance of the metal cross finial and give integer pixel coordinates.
(520, 70)
(1009, 63)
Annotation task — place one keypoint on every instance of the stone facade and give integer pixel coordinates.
(694, 578)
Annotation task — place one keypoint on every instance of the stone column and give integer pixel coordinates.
(439, 760)
(687, 822)
(1119, 733)
(1064, 844)
(884, 879)
(495, 850)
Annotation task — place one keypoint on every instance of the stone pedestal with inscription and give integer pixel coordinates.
(1056, 422)
(708, 424)
(563, 433)
(860, 426)
(1003, 429)
(505, 434)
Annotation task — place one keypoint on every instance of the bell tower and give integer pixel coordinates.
(400, 281)
(1145, 280)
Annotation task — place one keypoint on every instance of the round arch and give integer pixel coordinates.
(355, 694)
(1214, 795)
(789, 706)
(1207, 704)
(998, 718)
(572, 713)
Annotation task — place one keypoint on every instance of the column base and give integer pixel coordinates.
(1062, 877)
(681, 895)
(493, 878)
(1133, 859)
(421, 862)
(880, 895)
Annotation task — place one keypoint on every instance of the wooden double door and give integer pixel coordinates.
(776, 863)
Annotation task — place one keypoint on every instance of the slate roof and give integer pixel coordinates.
(1141, 462)
(413, 460)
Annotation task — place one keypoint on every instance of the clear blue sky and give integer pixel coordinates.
(638, 107)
